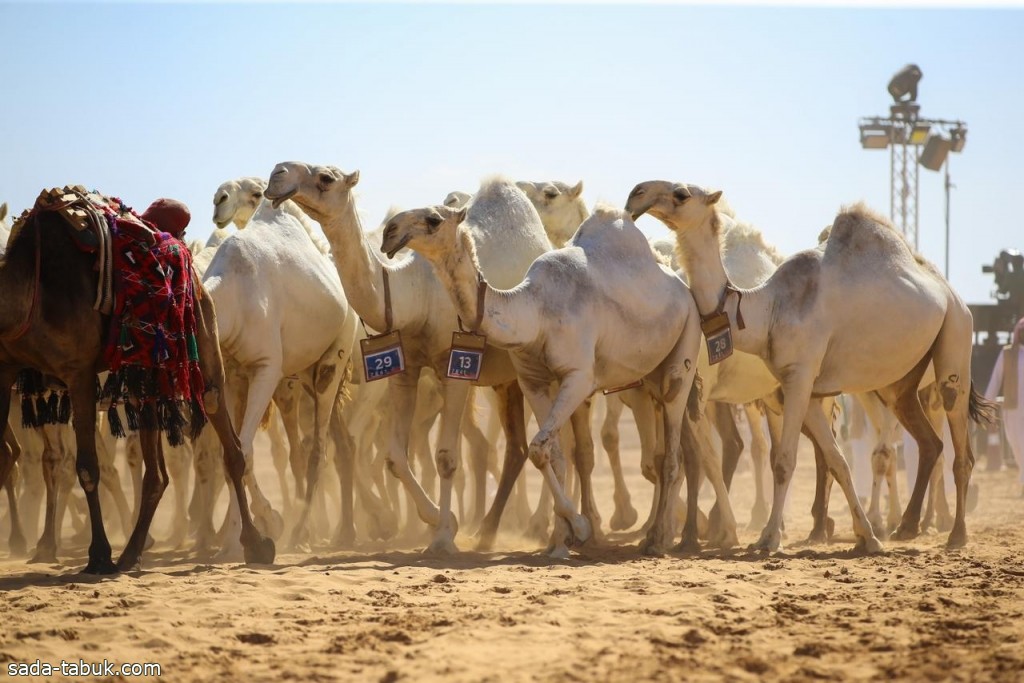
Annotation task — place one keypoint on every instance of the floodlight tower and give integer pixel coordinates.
(904, 131)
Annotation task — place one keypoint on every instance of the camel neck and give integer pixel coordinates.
(18, 282)
(701, 256)
(361, 272)
(459, 272)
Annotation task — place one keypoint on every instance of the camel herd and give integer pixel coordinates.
(565, 305)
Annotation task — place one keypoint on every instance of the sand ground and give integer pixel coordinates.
(379, 614)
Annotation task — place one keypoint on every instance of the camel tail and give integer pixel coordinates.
(268, 415)
(980, 408)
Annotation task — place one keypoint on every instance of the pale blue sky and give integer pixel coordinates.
(151, 100)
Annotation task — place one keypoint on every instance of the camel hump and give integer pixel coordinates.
(859, 231)
(609, 230)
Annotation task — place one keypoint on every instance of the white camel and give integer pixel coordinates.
(565, 323)
(749, 260)
(280, 311)
(863, 313)
(510, 236)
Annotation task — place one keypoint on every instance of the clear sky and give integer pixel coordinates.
(148, 100)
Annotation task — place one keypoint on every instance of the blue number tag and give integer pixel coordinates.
(382, 356)
(718, 334)
(467, 356)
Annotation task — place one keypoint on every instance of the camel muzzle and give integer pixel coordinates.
(278, 201)
(394, 249)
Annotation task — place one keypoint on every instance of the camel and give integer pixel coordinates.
(749, 260)
(510, 235)
(560, 207)
(281, 312)
(47, 322)
(862, 313)
(563, 323)
(5, 226)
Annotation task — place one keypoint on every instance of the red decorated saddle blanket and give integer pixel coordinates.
(151, 348)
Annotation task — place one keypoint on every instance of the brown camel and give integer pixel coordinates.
(47, 322)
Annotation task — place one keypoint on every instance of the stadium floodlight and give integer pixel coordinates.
(875, 135)
(903, 86)
(935, 151)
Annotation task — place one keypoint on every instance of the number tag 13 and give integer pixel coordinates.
(382, 356)
(467, 356)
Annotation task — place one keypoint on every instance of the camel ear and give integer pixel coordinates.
(3, 211)
(713, 197)
(352, 179)
(576, 189)
(460, 215)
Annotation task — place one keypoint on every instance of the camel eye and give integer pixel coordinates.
(325, 178)
(257, 195)
(550, 192)
(681, 195)
(434, 220)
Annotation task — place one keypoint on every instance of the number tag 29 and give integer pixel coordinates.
(718, 334)
(467, 356)
(382, 356)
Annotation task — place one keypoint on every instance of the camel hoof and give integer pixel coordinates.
(726, 540)
(557, 552)
(904, 533)
(878, 527)
(344, 537)
(770, 541)
(127, 563)
(957, 537)
(869, 546)
(651, 549)
(581, 529)
(270, 523)
(18, 547)
(262, 551)
(485, 540)
(943, 523)
(441, 547)
(688, 546)
(100, 566)
(382, 527)
(44, 556)
(624, 518)
(816, 537)
(538, 528)
(758, 518)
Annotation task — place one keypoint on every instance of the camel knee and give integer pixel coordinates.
(88, 477)
(446, 463)
(782, 468)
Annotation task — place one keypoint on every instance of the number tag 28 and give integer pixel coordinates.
(467, 356)
(382, 356)
(718, 334)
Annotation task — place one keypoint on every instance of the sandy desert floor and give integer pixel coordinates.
(380, 614)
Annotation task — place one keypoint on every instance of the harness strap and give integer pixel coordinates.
(729, 287)
(481, 295)
(388, 317)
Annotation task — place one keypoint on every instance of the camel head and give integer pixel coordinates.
(236, 201)
(456, 199)
(320, 191)
(678, 205)
(3, 214)
(560, 206)
(431, 231)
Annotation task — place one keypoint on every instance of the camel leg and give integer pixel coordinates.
(479, 460)
(177, 465)
(327, 375)
(154, 483)
(46, 548)
(895, 510)
(818, 423)
(722, 418)
(280, 455)
(546, 454)
(402, 393)
(721, 531)
(110, 478)
(455, 393)
(286, 398)
(797, 392)
(906, 405)
(651, 428)
(10, 452)
(583, 454)
(625, 514)
(344, 464)
(83, 407)
(133, 455)
(262, 383)
(513, 421)
(759, 455)
(882, 461)
(209, 475)
(823, 524)
(679, 447)
(258, 548)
